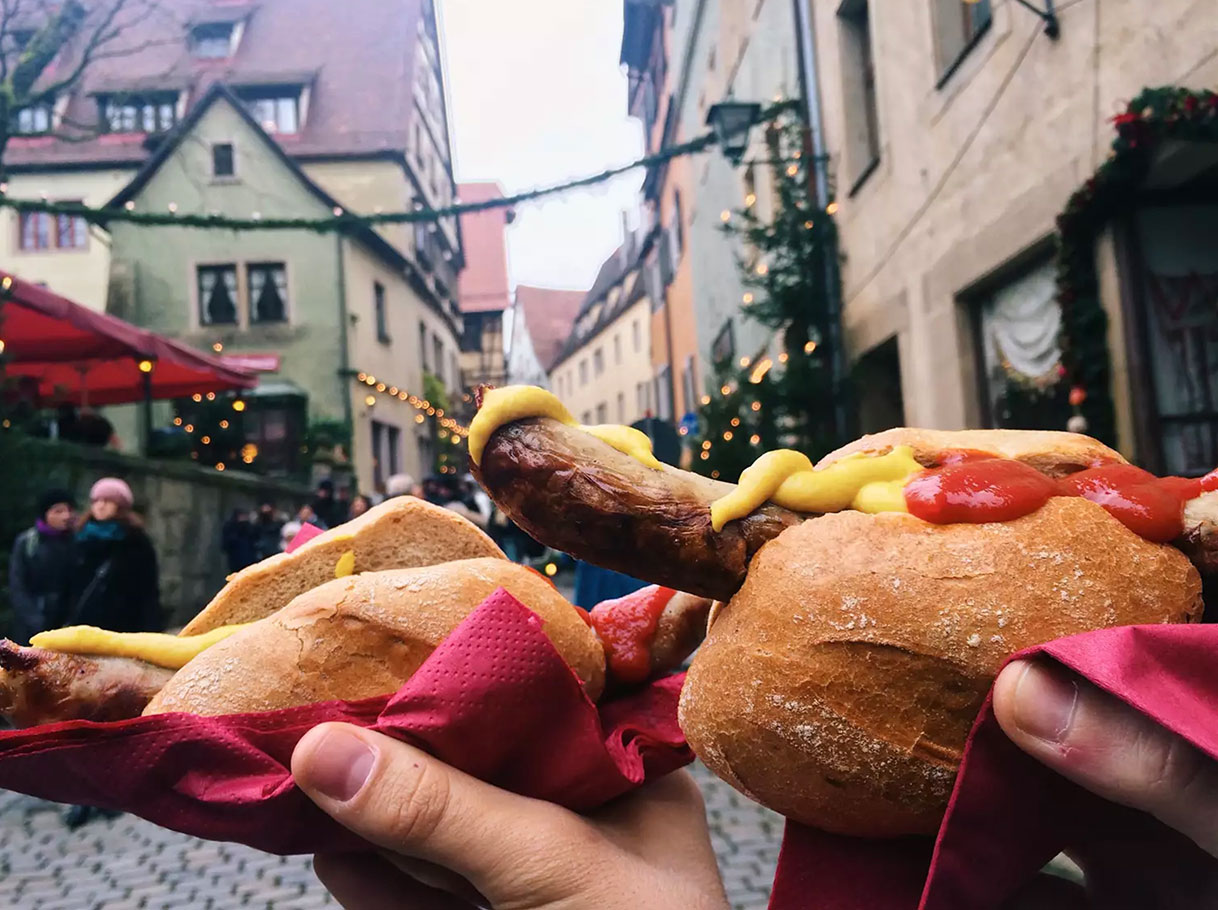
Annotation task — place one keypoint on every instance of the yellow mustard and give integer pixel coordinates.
(345, 565)
(170, 651)
(865, 482)
(519, 402)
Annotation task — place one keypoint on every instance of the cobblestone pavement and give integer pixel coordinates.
(129, 863)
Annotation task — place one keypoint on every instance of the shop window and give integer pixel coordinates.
(1018, 324)
(877, 379)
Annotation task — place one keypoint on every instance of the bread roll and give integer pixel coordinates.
(365, 635)
(400, 533)
(1051, 452)
(839, 685)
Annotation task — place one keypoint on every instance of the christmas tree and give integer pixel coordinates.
(785, 399)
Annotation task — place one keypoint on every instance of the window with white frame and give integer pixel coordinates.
(150, 113)
(276, 108)
(212, 40)
(34, 119)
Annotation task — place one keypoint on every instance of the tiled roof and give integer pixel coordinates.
(549, 314)
(356, 56)
(484, 284)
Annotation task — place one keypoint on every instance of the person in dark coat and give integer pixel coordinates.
(40, 568)
(238, 541)
(115, 583)
(325, 507)
(266, 531)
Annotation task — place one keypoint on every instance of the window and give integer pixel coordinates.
(602, 413)
(587, 418)
(71, 232)
(640, 390)
(678, 227)
(155, 113)
(423, 351)
(621, 407)
(386, 449)
(217, 295)
(277, 110)
(382, 317)
(636, 332)
(32, 120)
(35, 231)
(958, 25)
(212, 41)
(858, 90)
(689, 385)
(1018, 325)
(724, 346)
(617, 350)
(222, 161)
(664, 394)
(268, 287)
(583, 371)
(439, 359)
(598, 362)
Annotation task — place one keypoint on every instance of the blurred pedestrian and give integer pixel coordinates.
(238, 541)
(360, 504)
(266, 531)
(40, 568)
(324, 506)
(114, 580)
(115, 583)
(402, 485)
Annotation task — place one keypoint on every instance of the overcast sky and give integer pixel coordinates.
(537, 97)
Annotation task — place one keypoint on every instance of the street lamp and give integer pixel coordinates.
(731, 121)
(1048, 15)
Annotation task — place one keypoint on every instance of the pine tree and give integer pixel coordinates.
(785, 401)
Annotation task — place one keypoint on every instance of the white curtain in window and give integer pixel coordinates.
(269, 303)
(1020, 324)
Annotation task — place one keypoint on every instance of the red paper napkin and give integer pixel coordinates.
(495, 700)
(1009, 815)
(306, 533)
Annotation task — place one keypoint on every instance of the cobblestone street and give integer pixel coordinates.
(129, 863)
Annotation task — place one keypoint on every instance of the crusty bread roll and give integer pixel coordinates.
(1051, 452)
(365, 635)
(402, 532)
(839, 685)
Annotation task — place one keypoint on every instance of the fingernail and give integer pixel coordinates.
(1045, 701)
(339, 764)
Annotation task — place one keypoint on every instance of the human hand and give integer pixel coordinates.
(1109, 748)
(448, 840)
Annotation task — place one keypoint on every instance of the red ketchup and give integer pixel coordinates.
(973, 487)
(627, 626)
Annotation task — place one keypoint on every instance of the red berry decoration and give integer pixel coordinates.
(1077, 396)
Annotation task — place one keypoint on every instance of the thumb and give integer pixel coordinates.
(402, 799)
(1108, 747)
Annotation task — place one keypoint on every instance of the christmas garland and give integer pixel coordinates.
(1153, 116)
(343, 220)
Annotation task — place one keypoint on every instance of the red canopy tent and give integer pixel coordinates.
(81, 357)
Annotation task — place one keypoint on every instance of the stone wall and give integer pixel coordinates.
(183, 506)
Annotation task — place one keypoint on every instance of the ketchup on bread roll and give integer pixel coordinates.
(869, 600)
(365, 635)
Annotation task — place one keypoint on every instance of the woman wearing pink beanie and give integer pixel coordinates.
(114, 583)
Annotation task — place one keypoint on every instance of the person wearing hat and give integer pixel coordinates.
(40, 566)
(114, 579)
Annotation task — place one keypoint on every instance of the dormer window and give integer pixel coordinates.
(148, 113)
(276, 108)
(34, 119)
(213, 40)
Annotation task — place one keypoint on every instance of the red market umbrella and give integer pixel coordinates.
(77, 356)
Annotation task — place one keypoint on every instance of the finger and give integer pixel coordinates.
(365, 881)
(1104, 745)
(434, 876)
(402, 799)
